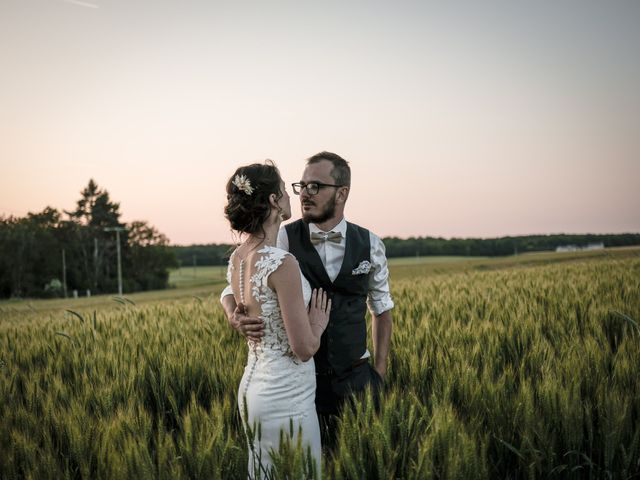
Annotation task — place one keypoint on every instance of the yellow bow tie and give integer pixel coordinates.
(317, 237)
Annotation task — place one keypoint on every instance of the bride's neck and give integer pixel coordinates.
(269, 239)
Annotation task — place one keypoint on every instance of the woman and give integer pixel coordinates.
(277, 390)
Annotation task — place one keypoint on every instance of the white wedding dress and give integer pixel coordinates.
(277, 389)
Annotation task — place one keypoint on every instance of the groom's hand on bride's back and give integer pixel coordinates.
(250, 327)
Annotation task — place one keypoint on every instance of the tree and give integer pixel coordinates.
(26, 263)
(151, 257)
(95, 209)
(97, 250)
(31, 250)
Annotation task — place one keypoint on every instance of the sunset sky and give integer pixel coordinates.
(463, 118)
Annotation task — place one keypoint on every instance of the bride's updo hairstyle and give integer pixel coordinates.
(248, 192)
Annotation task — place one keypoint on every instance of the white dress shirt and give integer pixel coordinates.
(332, 253)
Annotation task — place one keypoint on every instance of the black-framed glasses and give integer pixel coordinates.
(311, 187)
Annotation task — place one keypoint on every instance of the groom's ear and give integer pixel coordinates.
(343, 194)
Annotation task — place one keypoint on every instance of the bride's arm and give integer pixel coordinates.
(304, 328)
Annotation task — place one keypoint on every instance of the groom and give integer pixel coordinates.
(347, 261)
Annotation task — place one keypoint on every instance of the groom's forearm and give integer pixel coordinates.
(381, 330)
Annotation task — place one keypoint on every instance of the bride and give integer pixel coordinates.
(278, 386)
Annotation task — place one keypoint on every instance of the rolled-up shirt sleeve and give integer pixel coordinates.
(228, 290)
(379, 298)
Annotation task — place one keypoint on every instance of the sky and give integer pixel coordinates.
(458, 118)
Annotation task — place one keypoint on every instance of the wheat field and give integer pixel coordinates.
(522, 371)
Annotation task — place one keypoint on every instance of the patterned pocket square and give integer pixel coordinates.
(363, 268)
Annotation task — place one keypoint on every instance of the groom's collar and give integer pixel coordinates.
(340, 227)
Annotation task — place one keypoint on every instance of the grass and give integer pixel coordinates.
(198, 276)
(521, 367)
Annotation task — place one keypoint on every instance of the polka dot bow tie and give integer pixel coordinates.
(317, 237)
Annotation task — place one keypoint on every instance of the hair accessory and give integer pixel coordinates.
(242, 183)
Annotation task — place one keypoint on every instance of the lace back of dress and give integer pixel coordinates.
(275, 341)
(252, 344)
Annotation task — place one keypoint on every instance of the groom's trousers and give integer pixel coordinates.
(333, 389)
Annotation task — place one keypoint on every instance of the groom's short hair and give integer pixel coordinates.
(341, 172)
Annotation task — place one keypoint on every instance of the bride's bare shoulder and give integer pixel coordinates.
(287, 271)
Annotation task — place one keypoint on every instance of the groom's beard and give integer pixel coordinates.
(327, 213)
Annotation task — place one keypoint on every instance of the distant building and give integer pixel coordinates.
(566, 248)
(576, 248)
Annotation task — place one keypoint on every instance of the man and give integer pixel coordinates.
(347, 261)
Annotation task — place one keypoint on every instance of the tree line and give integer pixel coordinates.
(218, 254)
(493, 247)
(53, 253)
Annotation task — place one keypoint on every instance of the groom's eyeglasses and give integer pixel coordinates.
(312, 187)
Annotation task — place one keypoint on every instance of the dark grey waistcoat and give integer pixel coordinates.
(345, 339)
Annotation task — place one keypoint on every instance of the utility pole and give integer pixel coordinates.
(64, 273)
(96, 267)
(118, 230)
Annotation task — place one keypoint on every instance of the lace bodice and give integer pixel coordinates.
(275, 340)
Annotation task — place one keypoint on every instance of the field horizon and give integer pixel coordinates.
(204, 281)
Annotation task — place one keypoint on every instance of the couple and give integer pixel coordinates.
(298, 292)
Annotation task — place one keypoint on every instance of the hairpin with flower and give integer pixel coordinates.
(243, 184)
